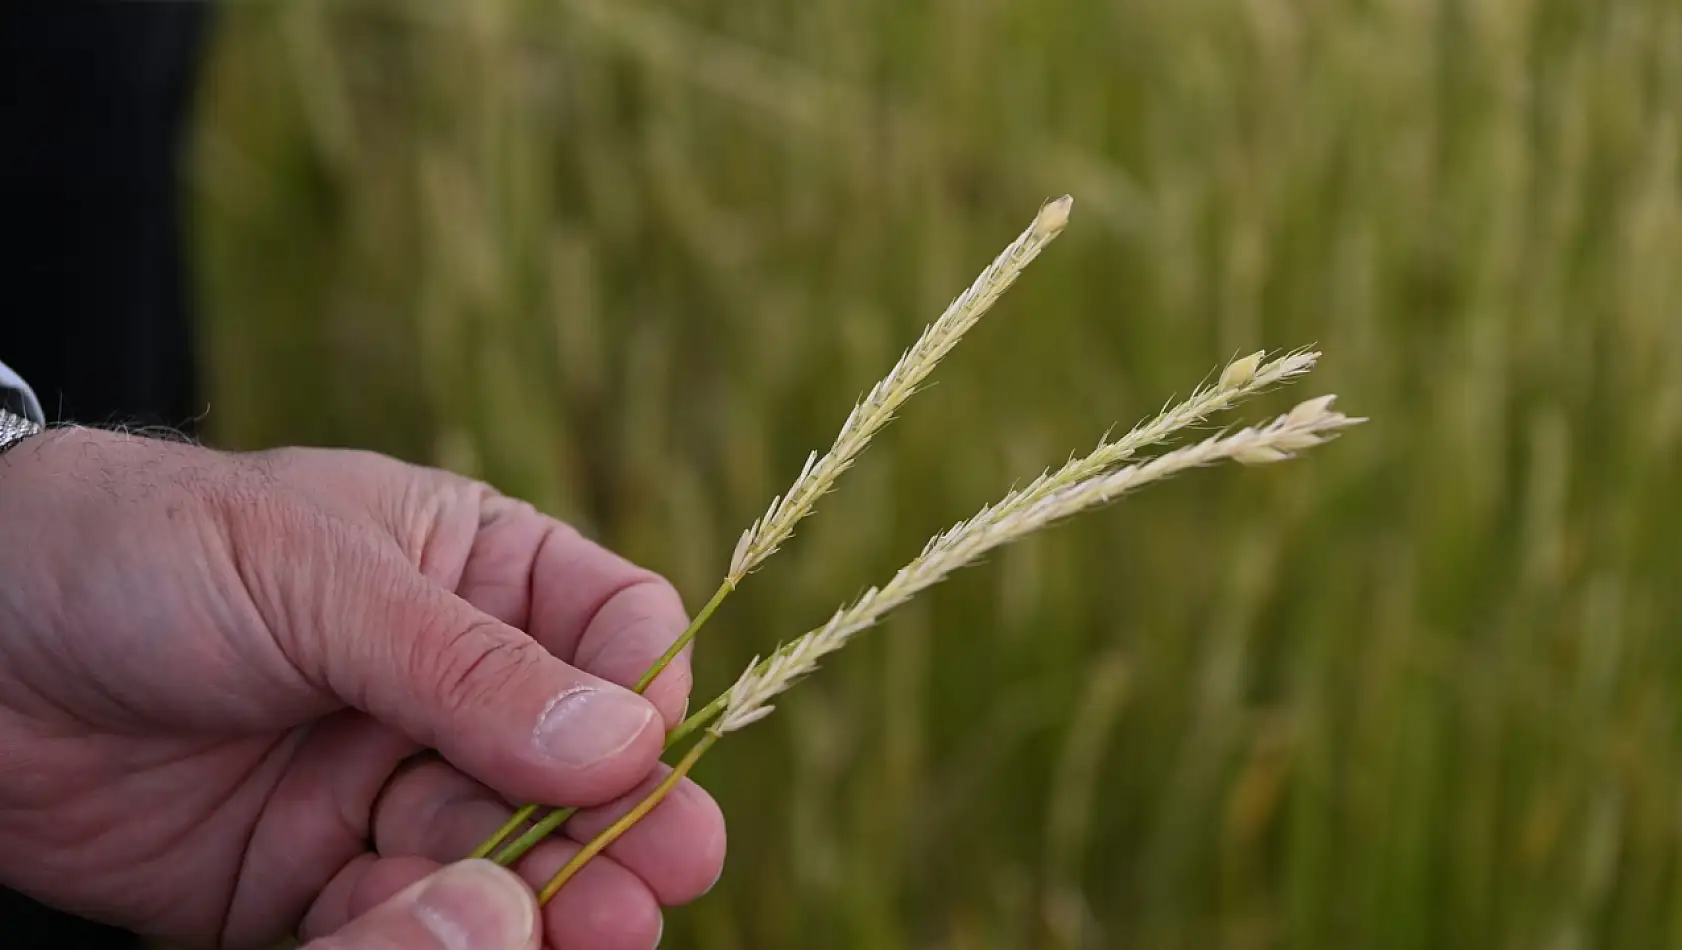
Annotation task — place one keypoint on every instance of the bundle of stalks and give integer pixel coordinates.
(1084, 483)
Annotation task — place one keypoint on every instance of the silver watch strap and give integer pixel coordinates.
(16, 397)
(15, 428)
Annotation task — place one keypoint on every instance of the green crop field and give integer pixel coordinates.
(1419, 690)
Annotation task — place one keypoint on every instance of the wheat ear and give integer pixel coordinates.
(877, 408)
(1309, 424)
(1241, 379)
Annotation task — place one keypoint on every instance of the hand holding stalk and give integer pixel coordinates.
(1311, 423)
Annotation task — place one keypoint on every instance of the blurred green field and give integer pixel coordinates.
(633, 260)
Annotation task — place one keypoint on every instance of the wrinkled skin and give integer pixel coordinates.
(223, 678)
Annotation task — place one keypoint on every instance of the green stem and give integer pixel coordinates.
(514, 850)
(707, 714)
(508, 827)
(677, 646)
(600, 842)
(710, 711)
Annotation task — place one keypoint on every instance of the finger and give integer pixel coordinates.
(676, 851)
(474, 905)
(487, 696)
(316, 819)
(603, 907)
(580, 600)
(432, 811)
(629, 633)
(363, 882)
(677, 848)
(595, 911)
(497, 575)
(384, 878)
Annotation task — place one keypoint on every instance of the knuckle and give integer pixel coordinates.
(494, 506)
(472, 661)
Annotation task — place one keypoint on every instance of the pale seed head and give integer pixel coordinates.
(1053, 216)
(1239, 372)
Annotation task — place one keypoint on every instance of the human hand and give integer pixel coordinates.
(221, 676)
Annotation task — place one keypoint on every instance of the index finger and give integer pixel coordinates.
(583, 603)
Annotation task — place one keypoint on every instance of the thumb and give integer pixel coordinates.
(487, 696)
(474, 905)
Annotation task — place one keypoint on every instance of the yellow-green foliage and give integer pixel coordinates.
(633, 260)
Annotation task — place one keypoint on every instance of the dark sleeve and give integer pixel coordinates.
(95, 308)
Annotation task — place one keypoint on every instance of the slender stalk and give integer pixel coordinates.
(699, 719)
(601, 841)
(516, 849)
(682, 641)
(508, 827)
(512, 851)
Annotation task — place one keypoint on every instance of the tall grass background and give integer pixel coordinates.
(632, 260)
